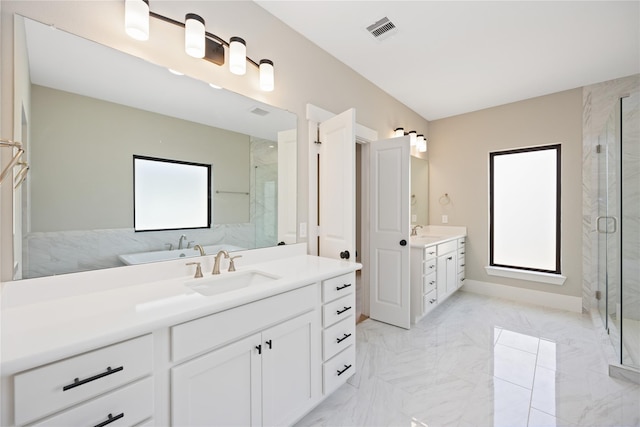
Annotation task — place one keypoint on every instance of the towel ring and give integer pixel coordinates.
(444, 199)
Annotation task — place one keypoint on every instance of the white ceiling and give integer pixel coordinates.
(453, 57)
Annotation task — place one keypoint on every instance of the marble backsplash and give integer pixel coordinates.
(52, 253)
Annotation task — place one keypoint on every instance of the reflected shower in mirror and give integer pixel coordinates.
(89, 109)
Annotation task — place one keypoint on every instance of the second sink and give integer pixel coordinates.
(228, 282)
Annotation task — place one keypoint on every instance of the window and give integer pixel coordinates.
(525, 209)
(170, 194)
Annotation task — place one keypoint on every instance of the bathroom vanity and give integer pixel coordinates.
(151, 345)
(437, 267)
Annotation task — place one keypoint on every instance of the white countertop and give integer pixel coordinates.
(51, 329)
(435, 234)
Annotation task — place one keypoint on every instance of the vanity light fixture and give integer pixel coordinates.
(412, 138)
(194, 40)
(237, 56)
(421, 143)
(198, 42)
(136, 19)
(398, 132)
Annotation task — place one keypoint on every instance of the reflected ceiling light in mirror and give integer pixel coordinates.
(177, 73)
(398, 132)
(266, 75)
(194, 40)
(199, 43)
(136, 19)
(215, 86)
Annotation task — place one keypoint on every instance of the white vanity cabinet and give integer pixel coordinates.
(339, 331)
(108, 386)
(437, 271)
(265, 378)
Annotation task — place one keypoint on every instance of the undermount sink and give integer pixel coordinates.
(227, 282)
(425, 239)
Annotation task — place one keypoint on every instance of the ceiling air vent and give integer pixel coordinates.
(382, 29)
(259, 111)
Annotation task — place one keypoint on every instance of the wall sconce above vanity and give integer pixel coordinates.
(415, 139)
(199, 43)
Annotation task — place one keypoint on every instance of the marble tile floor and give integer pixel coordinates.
(481, 361)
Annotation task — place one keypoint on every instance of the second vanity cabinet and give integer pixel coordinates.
(437, 271)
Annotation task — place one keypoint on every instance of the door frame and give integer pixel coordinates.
(316, 115)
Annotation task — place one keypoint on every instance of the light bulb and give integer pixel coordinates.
(237, 56)
(266, 75)
(412, 138)
(136, 19)
(194, 41)
(398, 132)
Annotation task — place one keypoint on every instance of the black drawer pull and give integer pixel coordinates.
(78, 382)
(344, 370)
(450, 258)
(342, 311)
(268, 343)
(346, 285)
(339, 340)
(110, 419)
(259, 348)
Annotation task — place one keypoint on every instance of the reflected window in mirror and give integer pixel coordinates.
(170, 194)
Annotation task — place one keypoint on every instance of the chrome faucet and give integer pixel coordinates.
(414, 230)
(216, 264)
(183, 237)
(199, 248)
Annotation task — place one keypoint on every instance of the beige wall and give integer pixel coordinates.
(459, 161)
(304, 72)
(72, 136)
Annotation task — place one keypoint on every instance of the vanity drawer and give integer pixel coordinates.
(206, 333)
(429, 301)
(50, 388)
(461, 279)
(429, 266)
(461, 263)
(338, 286)
(447, 247)
(428, 283)
(126, 406)
(429, 252)
(338, 337)
(462, 242)
(337, 310)
(336, 371)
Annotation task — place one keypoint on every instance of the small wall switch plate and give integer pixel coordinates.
(303, 230)
(445, 219)
(414, 218)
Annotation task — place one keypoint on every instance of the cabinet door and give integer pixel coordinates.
(452, 273)
(221, 388)
(288, 358)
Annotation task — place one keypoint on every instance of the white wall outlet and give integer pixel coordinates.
(303, 230)
(445, 219)
(414, 218)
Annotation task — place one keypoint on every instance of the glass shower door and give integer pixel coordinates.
(609, 265)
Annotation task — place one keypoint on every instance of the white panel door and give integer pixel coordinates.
(221, 388)
(287, 186)
(390, 172)
(337, 176)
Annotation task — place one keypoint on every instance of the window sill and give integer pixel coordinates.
(533, 276)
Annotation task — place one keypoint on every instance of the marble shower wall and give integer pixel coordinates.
(264, 191)
(599, 101)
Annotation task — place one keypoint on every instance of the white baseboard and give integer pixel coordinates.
(546, 299)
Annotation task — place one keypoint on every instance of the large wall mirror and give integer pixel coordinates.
(88, 109)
